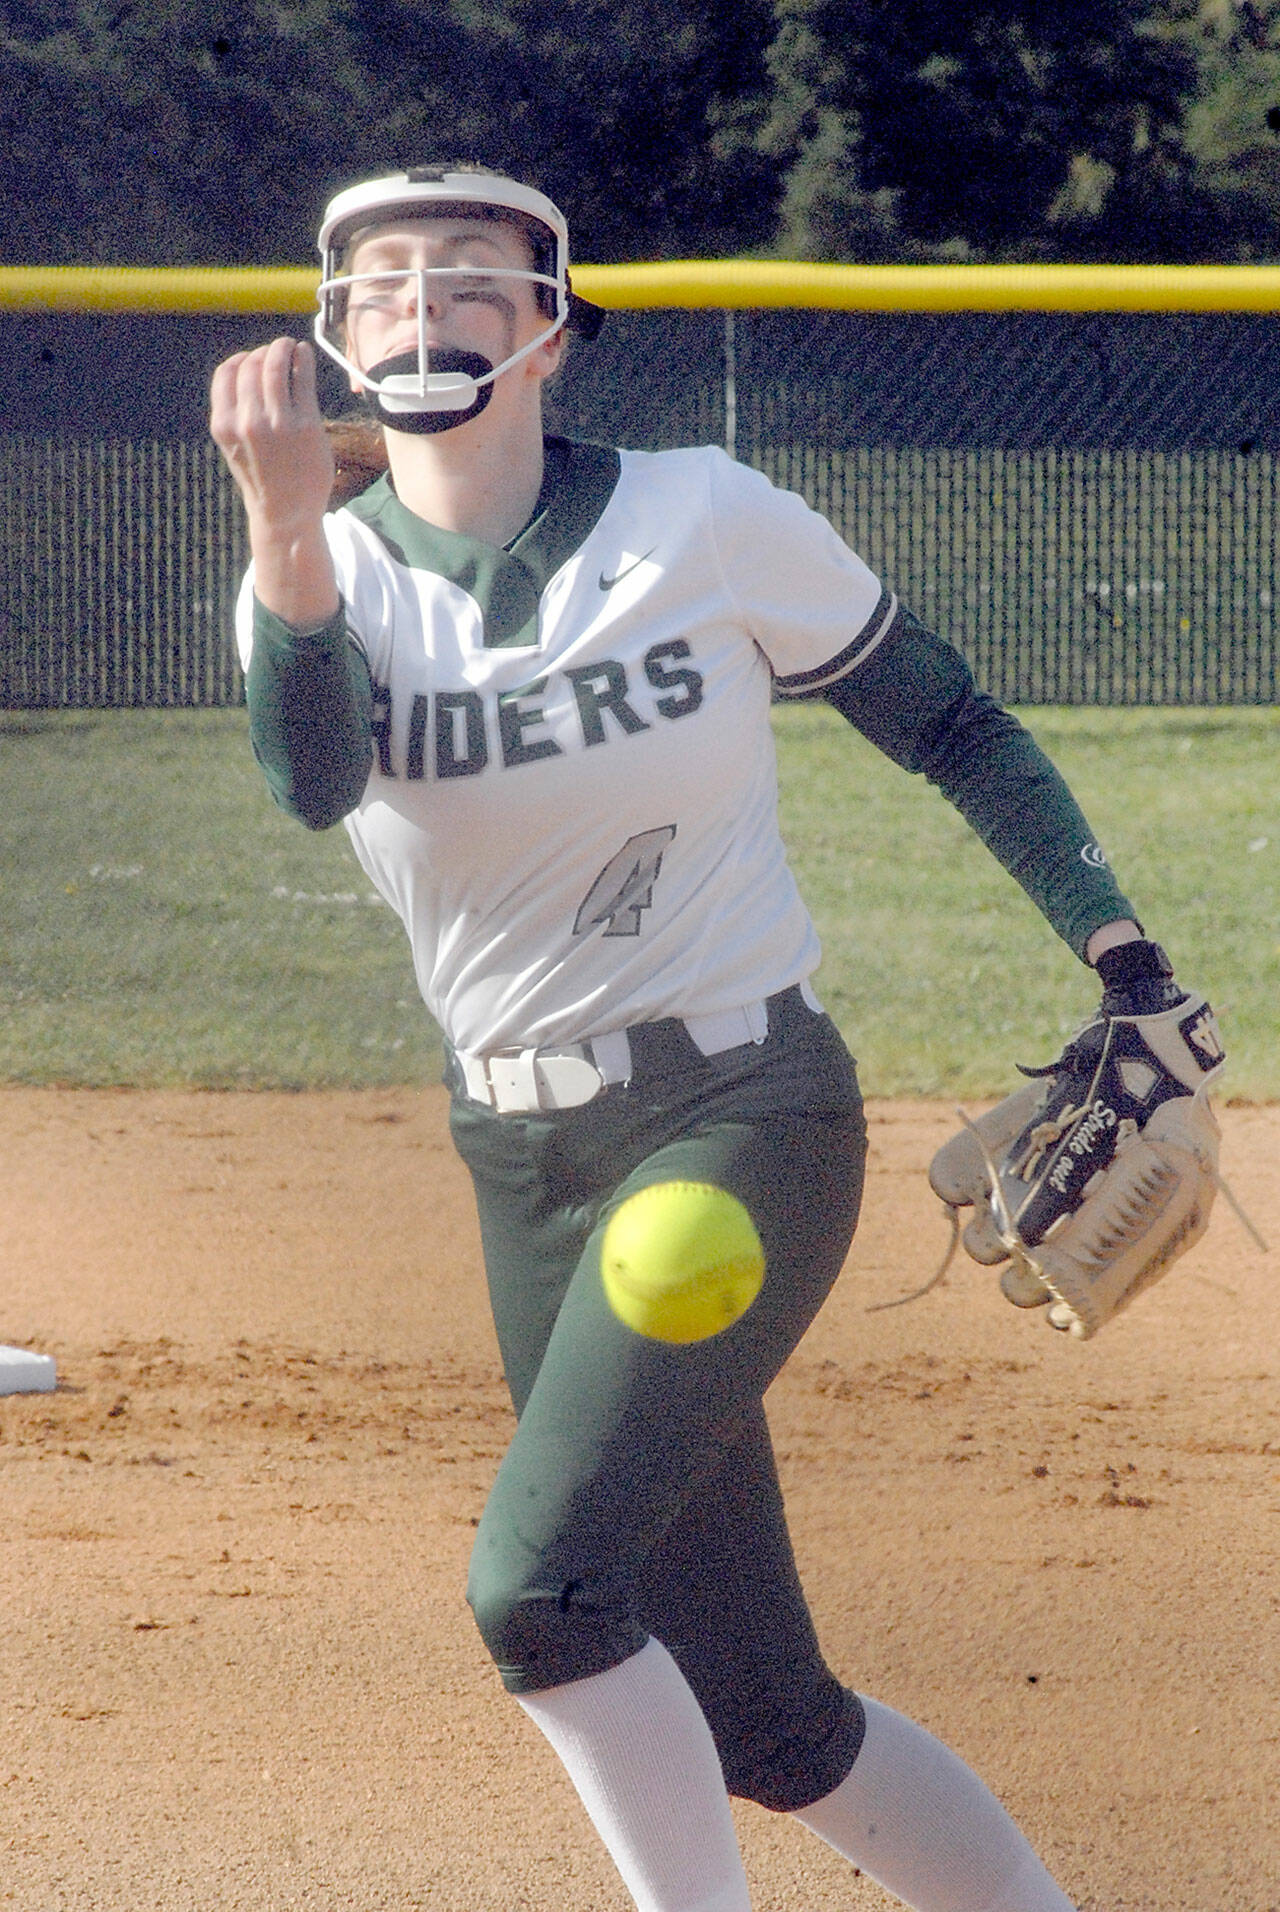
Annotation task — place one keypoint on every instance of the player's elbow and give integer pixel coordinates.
(319, 807)
(319, 816)
(318, 794)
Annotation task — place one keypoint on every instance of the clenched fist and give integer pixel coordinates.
(266, 422)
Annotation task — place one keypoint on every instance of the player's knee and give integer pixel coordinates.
(511, 1625)
(546, 1636)
(681, 1261)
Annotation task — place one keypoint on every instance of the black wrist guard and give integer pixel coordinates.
(1137, 980)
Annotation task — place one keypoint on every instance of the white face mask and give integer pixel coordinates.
(422, 390)
(426, 388)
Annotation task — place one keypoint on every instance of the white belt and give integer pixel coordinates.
(524, 1080)
(529, 1079)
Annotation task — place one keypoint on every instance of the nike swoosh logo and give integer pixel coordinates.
(607, 584)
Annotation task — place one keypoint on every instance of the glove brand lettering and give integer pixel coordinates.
(1104, 1175)
(461, 733)
(1094, 855)
(1100, 1120)
(1201, 1036)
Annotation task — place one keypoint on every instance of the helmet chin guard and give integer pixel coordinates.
(434, 389)
(457, 386)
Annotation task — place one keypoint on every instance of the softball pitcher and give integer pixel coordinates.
(534, 679)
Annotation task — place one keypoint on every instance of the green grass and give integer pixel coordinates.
(162, 923)
(939, 970)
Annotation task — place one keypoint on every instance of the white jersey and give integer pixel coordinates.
(572, 806)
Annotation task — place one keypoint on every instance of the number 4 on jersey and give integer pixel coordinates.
(624, 886)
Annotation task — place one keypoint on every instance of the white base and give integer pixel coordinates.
(22, 1372)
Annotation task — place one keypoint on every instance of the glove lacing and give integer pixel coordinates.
(1004, 1221)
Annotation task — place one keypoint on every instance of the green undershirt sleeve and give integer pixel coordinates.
(310, 715)
(916, 700)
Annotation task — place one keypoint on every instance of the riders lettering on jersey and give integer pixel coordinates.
(460, 733)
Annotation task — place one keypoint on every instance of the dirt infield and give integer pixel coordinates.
(238, 1672)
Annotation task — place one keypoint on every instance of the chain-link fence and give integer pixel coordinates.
(120, 568)
(1086, 504)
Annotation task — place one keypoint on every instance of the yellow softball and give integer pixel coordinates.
(681, 1261)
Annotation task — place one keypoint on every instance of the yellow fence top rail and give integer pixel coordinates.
(776, 283)
(716, 284)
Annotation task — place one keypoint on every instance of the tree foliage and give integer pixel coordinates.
(169, 133)
(939, 131)
(138, 131)
(1232, 123)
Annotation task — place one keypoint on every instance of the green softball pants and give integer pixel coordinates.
(639, 1495)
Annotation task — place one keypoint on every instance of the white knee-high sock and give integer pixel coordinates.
(914, 1817)
(635, 1744)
